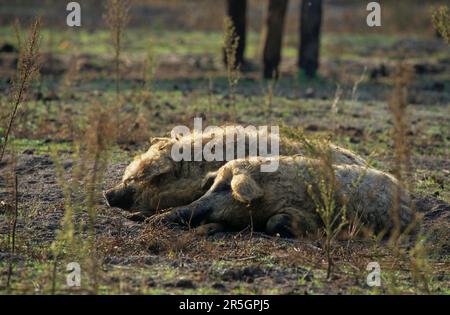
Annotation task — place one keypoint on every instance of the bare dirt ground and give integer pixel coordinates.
(142, 258)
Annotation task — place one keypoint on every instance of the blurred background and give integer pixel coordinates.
(340, 16)
(187, 37)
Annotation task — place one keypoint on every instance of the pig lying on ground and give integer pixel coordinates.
(154, 181)
(285, 202)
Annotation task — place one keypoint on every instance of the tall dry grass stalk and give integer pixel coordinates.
(357, 83)
(92, 149)
(117, 18)
(230, 45)
(100, 136)
(322, 191)
(397, 105)
(27, 68)
(321, 188)
(417, 255)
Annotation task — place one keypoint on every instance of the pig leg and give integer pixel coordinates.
(181, 216)
(190, 216)
(291, 223)
(207, 209)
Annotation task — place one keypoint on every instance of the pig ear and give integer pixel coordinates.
(157, 169)
(209, 180)
(245, 189)
(159, 143)
(154, 140)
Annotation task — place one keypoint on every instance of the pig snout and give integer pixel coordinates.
(121, 196)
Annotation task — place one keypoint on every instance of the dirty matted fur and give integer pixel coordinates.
(285, 202)
(154, 181)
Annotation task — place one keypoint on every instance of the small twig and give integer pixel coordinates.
(235, 258)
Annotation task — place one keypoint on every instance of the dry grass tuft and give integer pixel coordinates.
(27, 68)
(397, 106)
(321, 189)
(92, 150)
(417, 256)
(322, 192)
(441, 22)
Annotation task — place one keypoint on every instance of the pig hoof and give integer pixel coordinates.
(176, 216)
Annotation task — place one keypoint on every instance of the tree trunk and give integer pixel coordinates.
(236, 10)
(311, 17)
(272, 35)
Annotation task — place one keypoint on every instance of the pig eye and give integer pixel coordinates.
(129, 181)
(136, 179)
